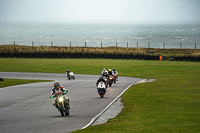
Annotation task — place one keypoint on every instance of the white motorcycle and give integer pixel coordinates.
(101, 87)
(70, 76)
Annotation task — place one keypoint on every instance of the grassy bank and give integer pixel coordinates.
(101, 50)
(169, 104)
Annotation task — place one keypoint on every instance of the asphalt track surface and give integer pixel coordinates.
(28, 107)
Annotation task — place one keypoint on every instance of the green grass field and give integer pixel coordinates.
(170, 104)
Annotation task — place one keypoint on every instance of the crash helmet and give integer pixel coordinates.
(56, 85)
(114, 69)
(104, 69)
(110, 70)
(101, 77)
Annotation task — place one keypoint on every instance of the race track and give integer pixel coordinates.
(28, 108)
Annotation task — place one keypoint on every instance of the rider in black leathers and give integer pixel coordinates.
(101, 79)
(68, 71)
(110, 72)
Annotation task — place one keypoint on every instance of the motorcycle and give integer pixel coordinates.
(106, 80)
(110, 80)
(62, 103)
(71, 76)
(101, 87)
(115, 78)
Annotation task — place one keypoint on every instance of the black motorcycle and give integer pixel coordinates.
(62, 103)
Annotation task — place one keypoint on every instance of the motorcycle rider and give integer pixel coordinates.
(57, 89)
(115, 72)
(105, 73)
(101, 79)
(110, 72)
(68, 71)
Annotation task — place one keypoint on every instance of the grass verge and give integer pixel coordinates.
(12, 82)
(169, 104)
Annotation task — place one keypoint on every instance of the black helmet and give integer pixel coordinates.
(113, 69)
(56, 85)
(101, 77)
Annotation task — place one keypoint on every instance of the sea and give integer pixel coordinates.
(101, 35)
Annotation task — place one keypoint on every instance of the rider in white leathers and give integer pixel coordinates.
(105, 73)
(57, 89)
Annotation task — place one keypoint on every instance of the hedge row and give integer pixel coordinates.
(91, 55)
(77, 55)
(185, 58)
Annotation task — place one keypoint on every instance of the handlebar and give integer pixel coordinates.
(52, 96)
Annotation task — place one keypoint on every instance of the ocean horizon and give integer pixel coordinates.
(97, 35)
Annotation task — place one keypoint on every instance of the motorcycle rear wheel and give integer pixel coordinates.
(66, 112)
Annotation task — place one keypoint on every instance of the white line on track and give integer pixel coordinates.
(97, 116)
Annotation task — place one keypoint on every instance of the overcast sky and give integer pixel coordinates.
(100, 11)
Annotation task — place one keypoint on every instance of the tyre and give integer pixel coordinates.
(66, 111)
(110, 85)
(101, 95)
(62, 113)
(61, 109)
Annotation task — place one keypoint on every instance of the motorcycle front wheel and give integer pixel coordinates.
(61, 109)
(62, 113)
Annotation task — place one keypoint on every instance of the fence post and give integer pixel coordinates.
(51, 44)
(148, 44)
(195, 45)
(164, 45)
(180, 45)
(70, 43)
(14, 47)
(137, 44)
(32, 43)
(101, 44)
(85, 43)
(116, 44)
(127, 44)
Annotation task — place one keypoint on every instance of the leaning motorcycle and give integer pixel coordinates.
(115, 78)
(110, 80)
(101, 87)
(106, 80)
(62, 103)
(71, 76)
